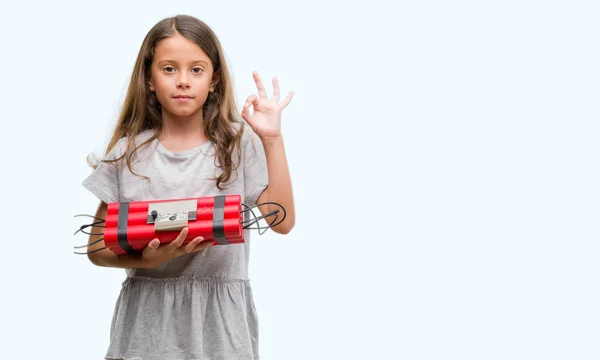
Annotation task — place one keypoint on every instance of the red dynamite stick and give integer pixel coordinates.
(112, 243)
(142, 234)
(142, 206)
(139, 247)
(129, 228)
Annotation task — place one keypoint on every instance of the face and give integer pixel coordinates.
(181, 76)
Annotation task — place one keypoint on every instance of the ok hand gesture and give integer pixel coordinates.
(266, 118)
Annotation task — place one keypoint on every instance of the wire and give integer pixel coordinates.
(262, 217)
(245, 224)
(255, 221)
(81, 229)
(254, 215)
(88, 225)
(90, 244)
(89, 252)
(273, 203)
(97, 218)
(248, 223)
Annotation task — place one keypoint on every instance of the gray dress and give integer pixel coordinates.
(197, 306)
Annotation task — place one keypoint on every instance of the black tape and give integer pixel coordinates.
(122, 228)
(218, 220)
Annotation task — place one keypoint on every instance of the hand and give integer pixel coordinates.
(155, 254)
(266, 119)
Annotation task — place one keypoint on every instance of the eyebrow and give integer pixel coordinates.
(175, 62)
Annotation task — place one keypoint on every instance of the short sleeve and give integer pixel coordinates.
(104, 180)
(256, 176)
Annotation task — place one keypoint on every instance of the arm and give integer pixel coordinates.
(266, 123)
(152, 256)
(106, 257)
(279, 189)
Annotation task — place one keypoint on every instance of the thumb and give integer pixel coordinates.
(246, 114)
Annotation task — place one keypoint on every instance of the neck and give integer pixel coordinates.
(182, 132)
(182, 128)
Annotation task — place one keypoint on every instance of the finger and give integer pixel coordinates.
(246, 113)
(262, 93)
(275, 90)
(189, 247)
(179, 239)
(250, 100)
(205, 244)
(246, 107)
(152, 246)
(287, 100)
(257, 104)
(246, 110)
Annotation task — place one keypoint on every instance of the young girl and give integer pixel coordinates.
(179, 136)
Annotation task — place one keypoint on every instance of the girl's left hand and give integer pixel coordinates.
(266, 118)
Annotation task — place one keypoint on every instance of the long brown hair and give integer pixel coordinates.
(142, 111)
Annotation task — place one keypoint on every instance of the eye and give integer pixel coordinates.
(196, 70)
(169, 69)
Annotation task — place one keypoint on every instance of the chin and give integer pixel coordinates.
(183, 112)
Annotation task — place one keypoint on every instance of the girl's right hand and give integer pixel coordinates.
(155, 254)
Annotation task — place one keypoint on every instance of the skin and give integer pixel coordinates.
(180, 67)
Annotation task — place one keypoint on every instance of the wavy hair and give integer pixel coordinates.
(141, 110)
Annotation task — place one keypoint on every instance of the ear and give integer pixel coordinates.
(150, 85)
(215, 80)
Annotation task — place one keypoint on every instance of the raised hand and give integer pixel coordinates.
(266, 118)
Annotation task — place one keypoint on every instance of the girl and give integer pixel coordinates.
(179, 136)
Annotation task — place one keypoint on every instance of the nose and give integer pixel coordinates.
(182, 81)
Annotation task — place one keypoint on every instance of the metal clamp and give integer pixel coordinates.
(171, 215)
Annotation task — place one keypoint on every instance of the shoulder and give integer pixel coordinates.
(138, 139)
(120, 147)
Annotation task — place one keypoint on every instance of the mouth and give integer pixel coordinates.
(183, 98)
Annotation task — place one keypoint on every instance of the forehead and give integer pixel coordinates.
(179, 49)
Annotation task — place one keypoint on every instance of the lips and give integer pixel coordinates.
(183, 97)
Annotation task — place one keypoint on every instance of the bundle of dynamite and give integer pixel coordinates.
(130, 226)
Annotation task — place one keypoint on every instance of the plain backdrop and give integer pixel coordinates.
(444, 158)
